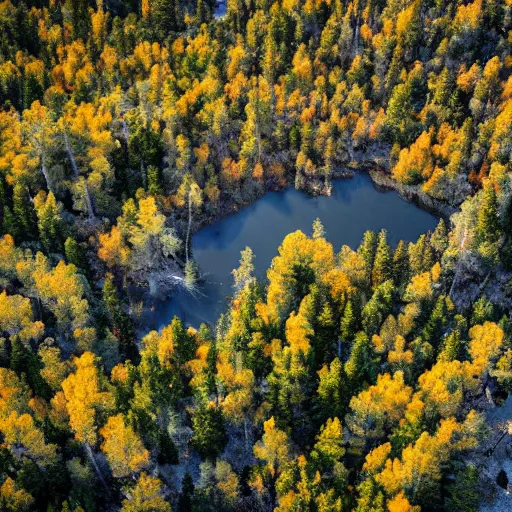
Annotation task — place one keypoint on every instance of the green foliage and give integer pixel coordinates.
(209, 431)
(463, 493)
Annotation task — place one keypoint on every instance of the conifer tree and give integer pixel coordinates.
(488, 227)
(383, 264)
(122, 325)
(401, 265)
(367, 251)
(439, 238)
(348, 323)
(186, 494)
(209, 431)
(74, 253)
(23, 212)
(50, 224)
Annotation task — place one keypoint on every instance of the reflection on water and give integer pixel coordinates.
(354, 207)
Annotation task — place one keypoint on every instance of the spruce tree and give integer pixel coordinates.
(401, 267)
(452, 347)
(50, 224)
(154, 183)
(348, 323)
(488, 227)
(383, 264)
(463, 494)
(74, 253)
(362, 366)
(439, 238)
(23, 212)
(10, 226)
(25, 363)
(209, 431)
(167, 451)
(367, 251)
(122, 325)
(186, 494)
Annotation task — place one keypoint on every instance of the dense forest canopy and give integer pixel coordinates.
(355, 379)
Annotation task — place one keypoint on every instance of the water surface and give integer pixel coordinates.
(354, 207)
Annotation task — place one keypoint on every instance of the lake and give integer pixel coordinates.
(354, 207)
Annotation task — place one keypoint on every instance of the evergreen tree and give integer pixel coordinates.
(75, 254)
(348, 323)
(209, 431)
(439, 238)
(10, 225)
(186, 494)
(50, 224)
(323, 341)
(488, 227)
(122, 325)
(401, 265)
(463, 494)
(451, 348)
(436, 324)
(421, 258)
(483, 311)
(24, 362)
(367, 251)
(361, 365)
(23, 212)
(184, 345)
(154, 185)
(383, 264)
(167, 451)
(377, 308)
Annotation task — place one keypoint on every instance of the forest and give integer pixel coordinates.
(351, 379)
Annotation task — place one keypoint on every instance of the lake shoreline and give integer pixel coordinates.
(232, 207)
(354, 206)
(412, 193)
(381, 180)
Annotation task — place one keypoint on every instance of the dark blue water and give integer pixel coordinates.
(354, 207)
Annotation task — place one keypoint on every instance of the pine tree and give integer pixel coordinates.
(154, 185)
(50, 224)
(186, 494)
(167, 451)
(439, 238)
(10, 225)
(367, 250)
(488, 227)
(483, 311)
(361, 365)
(451, 348)
(436, 323)
(348, 323)
(383, 264)
(209, 431)
(122, 325)
(75, 254)
(324, 338)
(463, 493)
(421, 258)
(332, 397)
(401, 265)
(23, 212)
(24, 362)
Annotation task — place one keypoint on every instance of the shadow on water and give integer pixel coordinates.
(354, 207)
